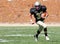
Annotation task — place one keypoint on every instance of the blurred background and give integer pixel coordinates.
(17, 11)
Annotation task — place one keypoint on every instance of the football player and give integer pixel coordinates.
(39, 12)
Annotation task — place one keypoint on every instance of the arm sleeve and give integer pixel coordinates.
(44, 8)
(32, 10)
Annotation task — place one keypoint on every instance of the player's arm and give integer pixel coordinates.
(44, 14)
(31, 15)
(31, 18)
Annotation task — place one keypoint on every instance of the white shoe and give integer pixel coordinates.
(36, 39)
(47, 38)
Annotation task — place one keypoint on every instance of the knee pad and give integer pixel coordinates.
(44, 26)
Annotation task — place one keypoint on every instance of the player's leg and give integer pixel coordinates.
(36, 35)
(38, 32)
(45, 32)
(45, 28)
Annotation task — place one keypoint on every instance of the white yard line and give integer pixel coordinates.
(3, 40)
(19, 35)
(22, 35)
(16, 35)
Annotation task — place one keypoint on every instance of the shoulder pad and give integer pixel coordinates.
(32, 10)
(44, 8)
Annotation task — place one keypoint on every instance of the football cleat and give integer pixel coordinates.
(36, 38)
(47, 38)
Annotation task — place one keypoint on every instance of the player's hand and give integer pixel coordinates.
(32, 22)
(44, 15)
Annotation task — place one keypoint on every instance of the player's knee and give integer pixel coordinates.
(38, 32)
(44, 26)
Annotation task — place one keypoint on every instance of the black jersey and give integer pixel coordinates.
(37, 13)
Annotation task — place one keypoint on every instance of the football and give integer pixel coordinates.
(44, 15)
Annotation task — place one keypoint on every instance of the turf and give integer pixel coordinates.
(53, 32)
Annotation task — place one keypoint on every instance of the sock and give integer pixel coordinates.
(38, 32)
(45, 31)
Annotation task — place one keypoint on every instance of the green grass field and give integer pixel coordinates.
(24, 35)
